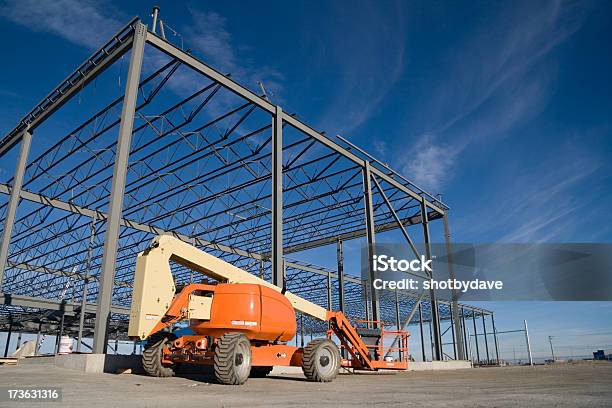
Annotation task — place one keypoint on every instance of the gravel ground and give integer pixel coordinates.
(569, 385)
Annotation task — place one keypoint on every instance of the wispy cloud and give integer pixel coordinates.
(364, 45)
(429, 163)
(509, 85)
(543, 203)
(88, 23)
(82, 22)
(210, 39)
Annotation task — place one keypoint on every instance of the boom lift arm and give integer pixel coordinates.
(154, 287)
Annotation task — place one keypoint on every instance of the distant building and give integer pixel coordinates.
(602, 355)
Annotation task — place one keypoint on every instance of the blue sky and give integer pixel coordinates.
(502, 107)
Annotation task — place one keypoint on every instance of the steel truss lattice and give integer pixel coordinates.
(183, 149)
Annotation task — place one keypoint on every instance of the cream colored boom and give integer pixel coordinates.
(154, 285)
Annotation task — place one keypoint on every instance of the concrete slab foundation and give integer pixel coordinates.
(412, 366)
(113, 363)
(99, 363)
(439, 365)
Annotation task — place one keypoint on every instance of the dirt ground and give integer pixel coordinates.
(579, 385)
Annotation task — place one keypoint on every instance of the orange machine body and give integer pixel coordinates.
(259, 312)
(267, 318)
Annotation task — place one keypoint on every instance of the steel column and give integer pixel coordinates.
(431, 342)
(452, 326)
(397, 311)
(86, 282)
(454, 305)
(421, 328)
(301, 330)
(9, 220)
(340, 258)
(366, 301)
(399, 323)
(60, 333)
(370, 234)
(484, 328)
(495, 339)
(435, 320)
(528, 343)
(117, 191)
(37, 345)
(465, 337)
(277, 198)
(476, 337)
(329, 292)
(8, 335)
(408, 319)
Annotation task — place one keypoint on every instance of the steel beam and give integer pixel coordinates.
(53, 304)
(239, 90)
(277, 199)
(211, 73)
(9, 220)
(397, 219)
(370, 237)
(99, 215)
(347, 236)
(124, 143)
(57, 272)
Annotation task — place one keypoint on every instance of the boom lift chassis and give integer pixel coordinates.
(242, 323)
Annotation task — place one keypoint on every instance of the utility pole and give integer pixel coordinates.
(528, 343)
(552, 350)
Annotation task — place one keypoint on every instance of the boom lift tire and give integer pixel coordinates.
(321, 360)
(260, 371)
(152, 355)
(232, 359)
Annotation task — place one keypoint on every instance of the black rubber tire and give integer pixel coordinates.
(261, 371)
(233, 359)
(321, 360)
(152, 355)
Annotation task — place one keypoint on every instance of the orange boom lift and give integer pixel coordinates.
(242, 324)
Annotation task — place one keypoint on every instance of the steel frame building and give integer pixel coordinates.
(214, 164)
